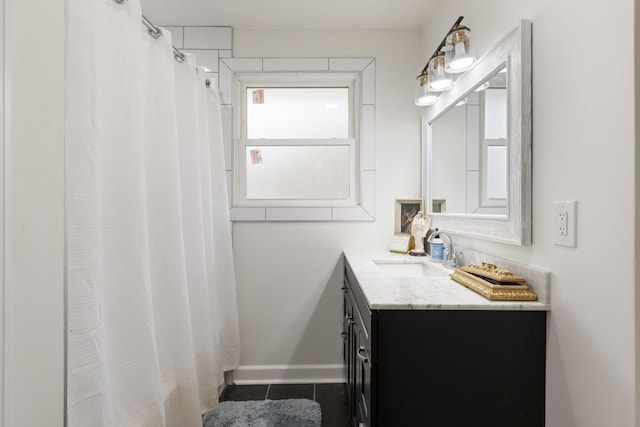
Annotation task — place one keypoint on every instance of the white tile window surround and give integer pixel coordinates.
(207, 43)
(365, 209)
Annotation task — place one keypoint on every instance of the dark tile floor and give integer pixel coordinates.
(331, 397)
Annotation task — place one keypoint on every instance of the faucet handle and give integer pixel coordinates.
(458, 258)
(451, 259)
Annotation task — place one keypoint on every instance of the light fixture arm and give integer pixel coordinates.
(441, 45)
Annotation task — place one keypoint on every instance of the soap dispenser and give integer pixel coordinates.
(437, 248)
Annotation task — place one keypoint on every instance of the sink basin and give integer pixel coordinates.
(409, 268)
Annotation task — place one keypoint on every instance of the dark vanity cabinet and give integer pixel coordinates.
(442, 367)
(357, 353)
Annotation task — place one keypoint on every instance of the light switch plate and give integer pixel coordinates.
(565, 223)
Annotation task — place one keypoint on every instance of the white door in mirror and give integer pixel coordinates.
(564, 223)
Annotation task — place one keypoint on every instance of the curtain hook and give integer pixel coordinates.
(179, 56)
(154, 31)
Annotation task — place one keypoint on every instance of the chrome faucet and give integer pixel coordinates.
(450, 257)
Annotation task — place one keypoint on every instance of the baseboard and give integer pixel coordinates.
(288, 374)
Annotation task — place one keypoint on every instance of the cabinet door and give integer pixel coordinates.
(348, 342)
(362, 381)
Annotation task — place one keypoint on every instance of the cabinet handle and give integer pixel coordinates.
(349, 319)
(362, 355)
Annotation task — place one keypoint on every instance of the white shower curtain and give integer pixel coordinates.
(152, 311)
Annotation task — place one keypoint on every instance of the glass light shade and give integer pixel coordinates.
(424, 97)
(483, 86)
(439, 80)
(459, 57)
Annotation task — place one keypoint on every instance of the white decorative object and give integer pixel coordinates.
(419, 227)
(400, 243)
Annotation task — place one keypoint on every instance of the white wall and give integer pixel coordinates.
(289, 275)
(33, 208)
(583, 149)
(637, 205)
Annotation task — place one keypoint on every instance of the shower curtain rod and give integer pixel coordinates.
(156, 33)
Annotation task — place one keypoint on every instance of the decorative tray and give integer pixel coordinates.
(493, 283)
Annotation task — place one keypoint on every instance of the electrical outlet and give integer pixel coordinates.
(564, 223)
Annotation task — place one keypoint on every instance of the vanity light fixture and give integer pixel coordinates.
(453, 55)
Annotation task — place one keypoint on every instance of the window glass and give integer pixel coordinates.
(497, 172)
(297, 112)
(298, 172)
(495, 113)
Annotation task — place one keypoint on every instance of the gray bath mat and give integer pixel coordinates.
(265, 413)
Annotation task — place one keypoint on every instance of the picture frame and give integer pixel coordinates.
(405, 210)
(439, 206)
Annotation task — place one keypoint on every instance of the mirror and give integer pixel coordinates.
(471, 140)
(477, 147)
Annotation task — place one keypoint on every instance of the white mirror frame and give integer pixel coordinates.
(515, 228)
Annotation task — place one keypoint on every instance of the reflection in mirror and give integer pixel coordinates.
(470, 140)
(477, 147)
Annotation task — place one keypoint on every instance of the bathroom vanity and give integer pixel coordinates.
(421, 349)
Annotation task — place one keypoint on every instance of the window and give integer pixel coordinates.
(297, 142)
(302, 141)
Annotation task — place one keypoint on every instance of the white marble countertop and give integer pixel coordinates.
(389, 284)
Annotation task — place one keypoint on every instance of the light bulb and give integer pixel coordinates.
(426, 99)
(443, 83)
(460, 63)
